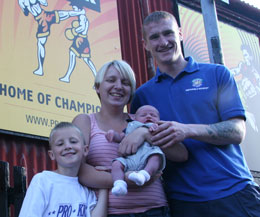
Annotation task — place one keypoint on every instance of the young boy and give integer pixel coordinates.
(148, 159)
(58, 193)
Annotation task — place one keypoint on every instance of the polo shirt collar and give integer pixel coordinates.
(191, 67)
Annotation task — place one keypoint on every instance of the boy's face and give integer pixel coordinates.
(147, 114)
(67, 147)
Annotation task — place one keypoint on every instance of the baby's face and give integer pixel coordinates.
(147, 114)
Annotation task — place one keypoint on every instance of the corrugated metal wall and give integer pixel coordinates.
(26, 152)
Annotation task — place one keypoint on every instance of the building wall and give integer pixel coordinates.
(27, 152)
(131, 14)
(31, 152)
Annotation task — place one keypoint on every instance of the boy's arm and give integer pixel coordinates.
(101, 207)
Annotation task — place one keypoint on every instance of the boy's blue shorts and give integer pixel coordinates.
(244, 203)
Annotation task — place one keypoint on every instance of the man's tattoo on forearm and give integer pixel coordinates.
(222, 130)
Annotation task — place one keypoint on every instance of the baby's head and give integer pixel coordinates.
(67, 145)
(147, 114)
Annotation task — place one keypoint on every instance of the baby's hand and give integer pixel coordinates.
(153, 128)
(110, 135)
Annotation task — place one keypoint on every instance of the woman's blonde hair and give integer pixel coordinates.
(123, 68)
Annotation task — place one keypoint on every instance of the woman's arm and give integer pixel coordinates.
(82, 121)
(88, 175)
(93, 178)
(130, 144)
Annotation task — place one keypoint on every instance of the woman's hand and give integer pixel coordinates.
(103, 168)
(133, 141)
(95, 177)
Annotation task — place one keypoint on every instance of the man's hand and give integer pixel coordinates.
(169, 133)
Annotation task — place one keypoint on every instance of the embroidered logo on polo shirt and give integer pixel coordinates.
(197, 84)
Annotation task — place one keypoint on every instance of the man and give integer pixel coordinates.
(201, 108)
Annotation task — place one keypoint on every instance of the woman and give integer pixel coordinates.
(115, 86)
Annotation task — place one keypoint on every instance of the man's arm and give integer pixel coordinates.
(67, 14)
(226, 132)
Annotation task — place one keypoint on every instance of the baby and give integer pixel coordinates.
(146, 162)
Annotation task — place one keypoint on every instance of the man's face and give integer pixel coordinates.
(162, 39)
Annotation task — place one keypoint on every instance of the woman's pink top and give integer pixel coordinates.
(101, 153)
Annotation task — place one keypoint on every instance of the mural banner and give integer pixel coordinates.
(50, 51)
(241, 51)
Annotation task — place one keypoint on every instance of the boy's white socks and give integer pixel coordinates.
(120, 188)
(139, 177)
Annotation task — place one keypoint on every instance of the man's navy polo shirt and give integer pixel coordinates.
(201, 94)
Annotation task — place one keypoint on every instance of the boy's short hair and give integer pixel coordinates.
(155, 17)
(123, 68)
(63, 125)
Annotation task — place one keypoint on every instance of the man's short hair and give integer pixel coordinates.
(155, 17)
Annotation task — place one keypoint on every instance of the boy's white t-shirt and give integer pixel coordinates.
(51, 194)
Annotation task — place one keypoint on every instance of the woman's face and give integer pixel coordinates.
(114, 89)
